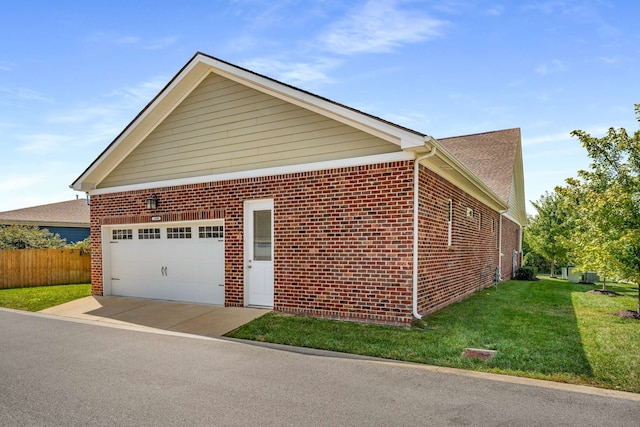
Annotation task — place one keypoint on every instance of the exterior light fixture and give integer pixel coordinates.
(152, 202)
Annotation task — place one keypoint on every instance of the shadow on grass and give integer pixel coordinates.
(532, 325)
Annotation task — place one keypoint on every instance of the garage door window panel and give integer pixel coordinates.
(211, 232)
(122, 234)
(148, 233)
(179, 233)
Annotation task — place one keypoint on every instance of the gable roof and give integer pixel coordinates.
(72, 213)
(411, 143)
(496, 158)
(490, 155)
(194, 72)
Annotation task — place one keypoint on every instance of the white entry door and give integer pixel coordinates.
(258, 227)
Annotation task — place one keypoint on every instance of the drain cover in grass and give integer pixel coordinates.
(479, 353)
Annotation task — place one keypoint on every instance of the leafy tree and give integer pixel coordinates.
(609, 209)
(548, 233)
(28, 237)
(532, 258)
(84, 245)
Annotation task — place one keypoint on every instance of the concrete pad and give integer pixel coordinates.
(219, 321)
(110, 306)
(198, 319)
(162, 314)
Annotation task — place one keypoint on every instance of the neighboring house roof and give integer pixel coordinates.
(408, 142)
(496, 158)
(73, 213)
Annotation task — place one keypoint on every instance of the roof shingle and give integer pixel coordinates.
(71, 212)
(490, 156)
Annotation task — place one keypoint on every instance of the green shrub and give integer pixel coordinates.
(84, 246)
(526, 273)
(28, 237)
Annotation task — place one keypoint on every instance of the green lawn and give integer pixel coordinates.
(548, 329)
(41, 297)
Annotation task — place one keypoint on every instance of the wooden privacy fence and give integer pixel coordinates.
(41, 267)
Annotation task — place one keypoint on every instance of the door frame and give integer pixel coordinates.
(249, 207)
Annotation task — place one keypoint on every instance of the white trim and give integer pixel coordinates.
(248, 230)
(257, 173)
(512, 218)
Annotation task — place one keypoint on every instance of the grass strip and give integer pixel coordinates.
(548, 329)
(40, 297)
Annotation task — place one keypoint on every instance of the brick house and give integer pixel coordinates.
(232, 188)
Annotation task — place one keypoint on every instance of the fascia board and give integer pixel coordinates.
(258, 173)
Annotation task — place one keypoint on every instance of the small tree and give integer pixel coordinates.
(28, 237)
(610, 206)
(548, 232)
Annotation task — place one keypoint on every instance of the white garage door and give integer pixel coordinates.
(181, 262)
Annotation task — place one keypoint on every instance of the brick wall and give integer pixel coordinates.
(343, 237)
(510, 243)
(448, 273)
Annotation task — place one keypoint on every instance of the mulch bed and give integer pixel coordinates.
(604, 292)
(628, 314)
(625, 314)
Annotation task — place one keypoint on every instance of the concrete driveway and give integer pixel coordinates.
(199, 319)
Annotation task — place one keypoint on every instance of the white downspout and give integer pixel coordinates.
(416, 214)
(500, 254)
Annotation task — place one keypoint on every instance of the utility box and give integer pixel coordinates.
(590, 277)
(574, 275)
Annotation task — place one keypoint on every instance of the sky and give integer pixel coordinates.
(74, 74)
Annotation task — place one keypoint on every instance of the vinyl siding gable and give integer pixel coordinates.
(223, 126)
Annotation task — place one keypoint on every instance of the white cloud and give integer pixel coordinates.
(112, 105)
(608, 60)
(380, 26)
(4, 66)
(561, 136)
(294, 72)
(161, 43)
(495, 10)
(112, 38)
(18, 182)
(553, 66)
(141, 93)
(553, 138)
(131, 40)
(42, 143)
(9, 95)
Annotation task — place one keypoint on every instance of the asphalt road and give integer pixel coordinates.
(57, 372)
